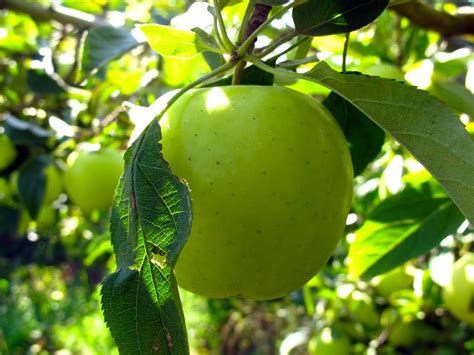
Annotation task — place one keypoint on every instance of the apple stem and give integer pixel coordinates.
(259, 14)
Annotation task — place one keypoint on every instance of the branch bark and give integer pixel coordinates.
(425, 16)
(61, 14)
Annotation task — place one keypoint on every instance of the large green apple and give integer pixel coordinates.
(458, 294)
(91, 177)
(329, 342)
(7, 152)
(271, 184)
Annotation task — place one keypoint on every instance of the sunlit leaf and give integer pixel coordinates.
(150, 223)
(400, 228)
(171, 42)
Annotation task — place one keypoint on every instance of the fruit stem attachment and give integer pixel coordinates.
(256, 24)
(247, 34)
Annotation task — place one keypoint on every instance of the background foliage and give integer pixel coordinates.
(62, 85)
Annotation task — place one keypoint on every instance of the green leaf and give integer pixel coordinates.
(171, 42)
(104, 44)
(32, 184)
(25, 133)
(151, 220)
(325, 17)
(365, 138)
(418, 121)
(41, 83)
(273, 2)
(400, 228)
(9, 218)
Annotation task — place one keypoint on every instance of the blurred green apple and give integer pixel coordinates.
(363, 309)
(329, 342)
(7, 152)
(91, 178)
(384, 70)
(458, 294)
(392, 281)
(403, 333)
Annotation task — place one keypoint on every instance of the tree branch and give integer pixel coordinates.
(61, 14)
(425, 16)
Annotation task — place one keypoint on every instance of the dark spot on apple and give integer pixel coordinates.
(218, 163)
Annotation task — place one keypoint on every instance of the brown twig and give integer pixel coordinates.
(425, 16)
(60, 14)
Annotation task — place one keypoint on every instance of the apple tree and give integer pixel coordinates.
(311, 150)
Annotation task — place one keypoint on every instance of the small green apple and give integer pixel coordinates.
(46, 218)
(54, 184)
(458, 294)
(91, 178)
(363, 309)
(329, 342)
(5, 192)
(403, 333)
(270, 176)
(392, 281)
(7, 152)
(384, 70)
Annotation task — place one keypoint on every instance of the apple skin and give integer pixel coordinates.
(7, 152)
(329, 342)
(270, 176)
(54, 184)
(91, 178)
(458, 294)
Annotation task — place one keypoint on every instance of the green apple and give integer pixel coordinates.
(46, 218)
(384, 70)
(363, 309)
(54, 184)
(270, 176)
(329, 342)
(5, 192)
(392, 281)
(91, 178)
(7, 152)
(403, 333)
(458, 294)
